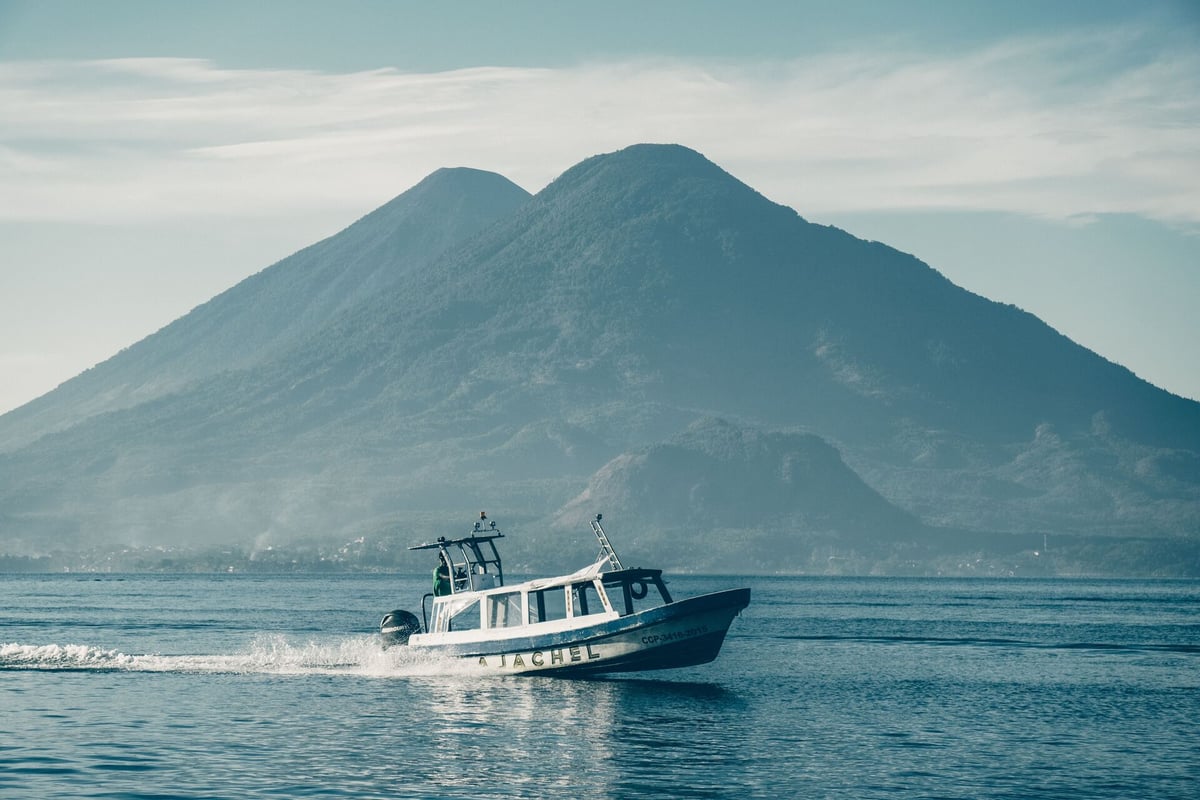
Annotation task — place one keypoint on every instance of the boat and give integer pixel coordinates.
(600, 619)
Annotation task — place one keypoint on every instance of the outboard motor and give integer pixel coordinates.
(397, 626)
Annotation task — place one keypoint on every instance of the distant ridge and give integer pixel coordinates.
(778, 495)
(475, 347)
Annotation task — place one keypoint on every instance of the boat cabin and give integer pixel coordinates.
(477, 598)
(551, 603)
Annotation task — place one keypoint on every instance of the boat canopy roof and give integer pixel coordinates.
(474, 560)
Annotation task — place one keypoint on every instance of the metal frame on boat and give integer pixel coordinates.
(602, 618)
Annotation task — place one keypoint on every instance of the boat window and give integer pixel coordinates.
(631, 592)
(547, 604)
(585, 600)
(504, 610)
(466, 618)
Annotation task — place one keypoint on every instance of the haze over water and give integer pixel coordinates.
(256, 687)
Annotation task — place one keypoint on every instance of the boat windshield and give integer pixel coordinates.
(457, 613)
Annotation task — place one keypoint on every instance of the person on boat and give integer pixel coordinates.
(441, 577)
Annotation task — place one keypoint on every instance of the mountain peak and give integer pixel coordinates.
(654, 183)
(645, 164)
(663, 154)
(453, 189)
(465, 180)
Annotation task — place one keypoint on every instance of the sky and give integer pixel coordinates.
(154, 154)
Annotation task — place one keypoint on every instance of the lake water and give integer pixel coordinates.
(276, 687)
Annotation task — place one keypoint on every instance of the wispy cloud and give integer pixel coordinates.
(1061, 127)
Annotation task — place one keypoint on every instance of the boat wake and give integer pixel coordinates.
(271, 654)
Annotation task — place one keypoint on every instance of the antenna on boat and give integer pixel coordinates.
(605, 546)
